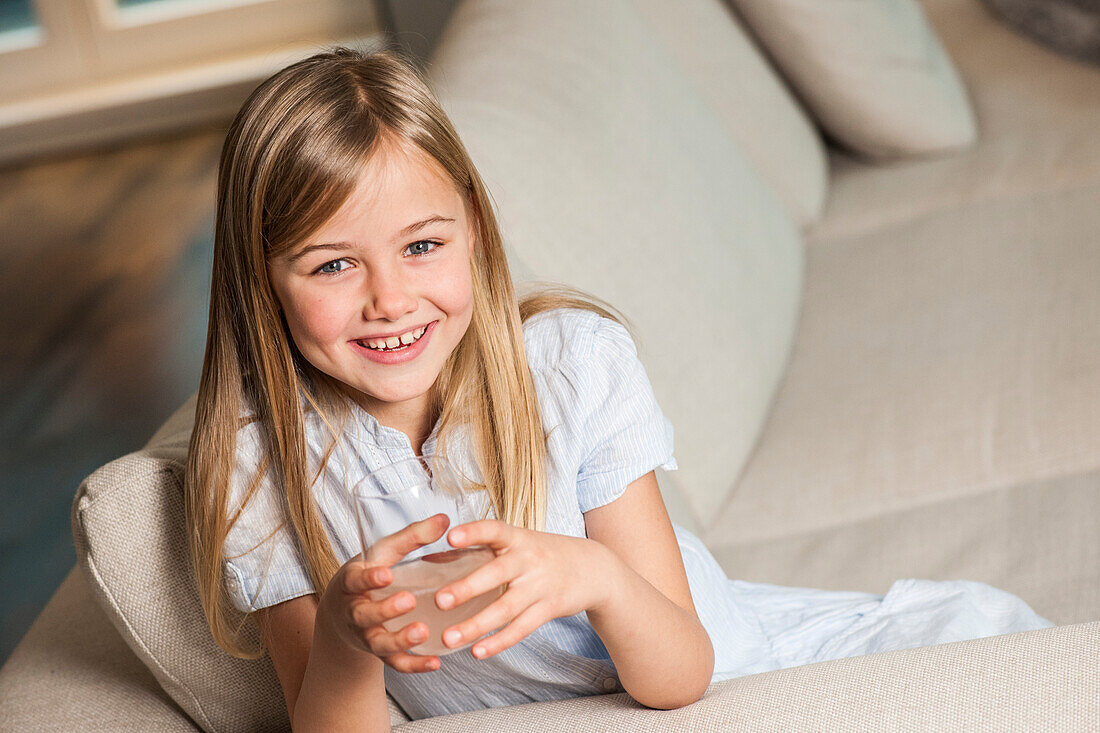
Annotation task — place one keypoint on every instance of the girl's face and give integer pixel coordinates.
(393, 260)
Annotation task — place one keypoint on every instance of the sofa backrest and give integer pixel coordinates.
(615, 170)
(709, 44)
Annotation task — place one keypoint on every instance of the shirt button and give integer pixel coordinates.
(610, 684)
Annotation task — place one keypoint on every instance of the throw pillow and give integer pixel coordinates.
(128, 528)
(873, 73)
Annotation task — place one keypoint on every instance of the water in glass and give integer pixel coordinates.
(423, 577)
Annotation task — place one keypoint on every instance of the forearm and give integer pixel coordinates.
(662, 653)
(343, 689)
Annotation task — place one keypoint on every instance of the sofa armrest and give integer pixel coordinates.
(1033, 680)
(72, 671)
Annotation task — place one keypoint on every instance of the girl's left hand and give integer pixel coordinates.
(548, 576)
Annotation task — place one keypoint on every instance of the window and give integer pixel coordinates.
(66, 64)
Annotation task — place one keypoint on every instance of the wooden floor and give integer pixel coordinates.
(104, 280)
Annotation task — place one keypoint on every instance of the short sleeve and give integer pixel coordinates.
(262, 563)
(623, 432)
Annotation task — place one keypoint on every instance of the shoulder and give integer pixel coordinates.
(249, 467)
(564, 336)
(253, 458)
(255, 492)
(249, 446)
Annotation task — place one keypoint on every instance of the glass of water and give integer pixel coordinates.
(394, 496)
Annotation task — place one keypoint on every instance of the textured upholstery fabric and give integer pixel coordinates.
(872, 73)
(708, 45)
(1038, 114)
(1036, 680)
(72, 672)
(128, 526)
(131, 543)
(947, 356)
(707, 41)
(612, 174)
(1035, 540)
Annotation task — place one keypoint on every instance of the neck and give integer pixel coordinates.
(414, 418)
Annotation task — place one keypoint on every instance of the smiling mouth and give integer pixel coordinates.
(403, 342)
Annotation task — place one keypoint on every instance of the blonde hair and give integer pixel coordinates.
(290, 159)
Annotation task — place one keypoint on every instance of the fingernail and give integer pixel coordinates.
(404, 603)
(479, 651)
(457, 536)
(452, 637)
(417, 635)
(445, 600)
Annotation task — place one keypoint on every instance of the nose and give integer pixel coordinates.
(388, 296)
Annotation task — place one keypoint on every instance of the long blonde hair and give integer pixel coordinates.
(290, 159)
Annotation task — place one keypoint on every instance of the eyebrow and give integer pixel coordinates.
(410, 229)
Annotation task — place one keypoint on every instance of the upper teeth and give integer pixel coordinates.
(394, 341)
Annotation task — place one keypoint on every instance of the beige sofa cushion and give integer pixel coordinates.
(128, 527)
(1036, 540)
(872, 73)
(954, 354)
(611, 173)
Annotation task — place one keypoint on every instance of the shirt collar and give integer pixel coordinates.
(387, 437)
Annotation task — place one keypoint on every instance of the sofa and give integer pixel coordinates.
(880, 356)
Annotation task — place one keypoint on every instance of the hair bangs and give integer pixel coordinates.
(319, 168)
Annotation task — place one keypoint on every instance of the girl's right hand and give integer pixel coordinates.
(347, 608)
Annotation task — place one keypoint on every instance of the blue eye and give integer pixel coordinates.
(423, 252)
(331, 268)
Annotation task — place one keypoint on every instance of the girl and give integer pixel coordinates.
(362, 311)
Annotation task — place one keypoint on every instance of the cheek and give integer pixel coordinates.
(315, 321)
(456, 292)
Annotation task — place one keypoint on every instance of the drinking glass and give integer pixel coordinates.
(394, 496)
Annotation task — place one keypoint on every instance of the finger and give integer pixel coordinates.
(390, 549)
(491, 532)
(532, 618)
(359, 577)
(383, 642)
(485, 579)
(506, 608)
(411, 663)
(366, 613)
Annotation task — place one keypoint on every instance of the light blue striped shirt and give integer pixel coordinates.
(604, 430)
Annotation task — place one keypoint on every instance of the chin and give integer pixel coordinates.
(392, 396)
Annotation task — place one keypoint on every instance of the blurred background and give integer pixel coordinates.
(112, 117)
